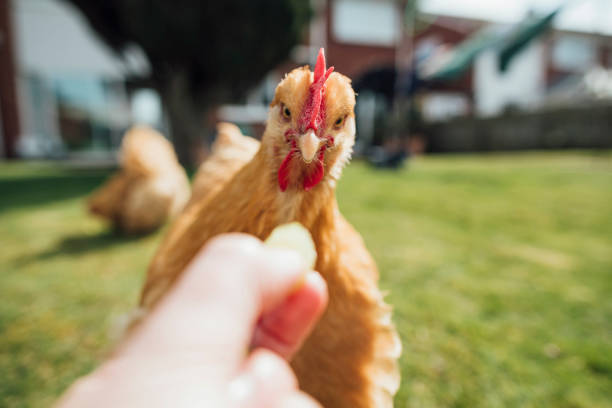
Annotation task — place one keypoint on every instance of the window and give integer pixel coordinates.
(369, 22)
(572, 53)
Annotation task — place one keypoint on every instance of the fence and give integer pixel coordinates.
(559, 128)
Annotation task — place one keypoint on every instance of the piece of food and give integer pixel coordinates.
(294, 236)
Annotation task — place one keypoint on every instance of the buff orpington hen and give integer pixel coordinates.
(150, 187)
(350, 358)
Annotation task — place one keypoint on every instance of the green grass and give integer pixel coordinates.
(499, 268)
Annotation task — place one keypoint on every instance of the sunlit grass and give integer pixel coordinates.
(499, 269)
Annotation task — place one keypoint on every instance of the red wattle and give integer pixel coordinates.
(312, 179)
(283, 171)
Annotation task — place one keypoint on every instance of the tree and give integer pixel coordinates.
(201, 52)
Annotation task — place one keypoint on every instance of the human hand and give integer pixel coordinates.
(193, 349)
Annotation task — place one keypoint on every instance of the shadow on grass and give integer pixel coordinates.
(41, 189)
(79, 244)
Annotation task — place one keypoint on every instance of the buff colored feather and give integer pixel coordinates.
(350, 359)
(230, 152)
(150, 187)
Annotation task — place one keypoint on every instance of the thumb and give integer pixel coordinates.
(210, 315)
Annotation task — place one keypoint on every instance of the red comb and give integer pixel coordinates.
(313, 112)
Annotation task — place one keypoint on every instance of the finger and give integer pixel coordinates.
(209, 316)
(296, 400)
(283, 329)
(264, 379)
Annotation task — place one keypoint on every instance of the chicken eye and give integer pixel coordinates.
(286, 112)
(339, 122)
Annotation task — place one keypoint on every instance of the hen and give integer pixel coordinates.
(150, 187)
(350, 359)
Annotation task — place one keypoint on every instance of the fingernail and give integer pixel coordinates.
(309, 276)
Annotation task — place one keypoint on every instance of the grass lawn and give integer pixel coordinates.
(499, 268)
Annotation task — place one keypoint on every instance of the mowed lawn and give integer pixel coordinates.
(499, 268)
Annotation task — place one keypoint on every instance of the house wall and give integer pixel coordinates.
(354, 58)
(9, 114)
(602, 54)
(523, 84)
(67, 79)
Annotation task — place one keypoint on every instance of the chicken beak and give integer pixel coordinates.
(309, 145)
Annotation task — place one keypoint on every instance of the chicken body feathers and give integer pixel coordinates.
(230, 152)
(150, 187)
(350, 359)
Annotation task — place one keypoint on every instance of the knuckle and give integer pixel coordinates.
(236, 243)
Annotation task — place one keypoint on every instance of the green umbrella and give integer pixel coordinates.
(464, 54)
(522, 36)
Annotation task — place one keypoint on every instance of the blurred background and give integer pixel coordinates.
(494, 235)
(449, 77)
